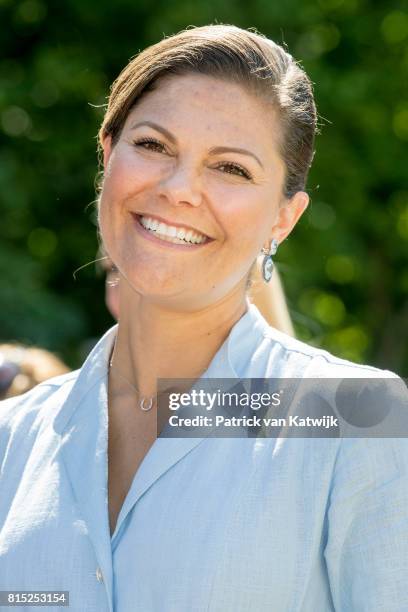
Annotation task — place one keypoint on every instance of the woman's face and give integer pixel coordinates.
(196, 154)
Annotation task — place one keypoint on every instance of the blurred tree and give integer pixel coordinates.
(344, 267)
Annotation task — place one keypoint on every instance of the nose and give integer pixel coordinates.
(181, 186)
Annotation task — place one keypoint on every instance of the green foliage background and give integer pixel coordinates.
(344, 266)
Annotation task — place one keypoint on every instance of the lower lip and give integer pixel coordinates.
(150, 236)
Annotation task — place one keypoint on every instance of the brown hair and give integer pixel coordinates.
(241, 56)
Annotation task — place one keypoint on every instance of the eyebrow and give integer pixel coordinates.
(213, 150)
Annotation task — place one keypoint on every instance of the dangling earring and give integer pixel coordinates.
(267, 264)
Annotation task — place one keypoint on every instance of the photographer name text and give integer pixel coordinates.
(253, 421)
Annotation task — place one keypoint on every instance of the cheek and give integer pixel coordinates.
(125, 175)
(246, 222)
(131, 171)
(125, 178)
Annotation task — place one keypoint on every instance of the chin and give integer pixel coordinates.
(156, 283)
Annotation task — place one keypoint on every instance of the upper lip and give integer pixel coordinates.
(173, 223)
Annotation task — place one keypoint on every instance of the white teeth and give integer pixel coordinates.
(150, 223)
(172, 233)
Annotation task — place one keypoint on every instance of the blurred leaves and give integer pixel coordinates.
(345, 265)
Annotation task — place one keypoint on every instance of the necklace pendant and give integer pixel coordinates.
(142, 404)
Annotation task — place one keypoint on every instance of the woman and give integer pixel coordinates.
(206, 143)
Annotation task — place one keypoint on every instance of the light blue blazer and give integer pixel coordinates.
(208, 525)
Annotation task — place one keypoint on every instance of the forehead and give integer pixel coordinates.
(202, 105)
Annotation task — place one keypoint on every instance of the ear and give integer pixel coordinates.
(288, 215)
(107, 149)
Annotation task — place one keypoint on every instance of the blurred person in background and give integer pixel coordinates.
(24, 367)
(207, 141)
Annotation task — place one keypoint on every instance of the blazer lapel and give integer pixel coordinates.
(165, 452)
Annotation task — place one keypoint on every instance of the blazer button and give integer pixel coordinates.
(99, 575)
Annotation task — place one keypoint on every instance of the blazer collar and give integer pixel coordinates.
(230, 361)
(82, 424)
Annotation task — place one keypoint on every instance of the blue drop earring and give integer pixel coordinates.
(267, 264)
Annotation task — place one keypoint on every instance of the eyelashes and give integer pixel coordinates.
(240, 169)
(158, 147)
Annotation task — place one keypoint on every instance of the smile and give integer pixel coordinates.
(170, 234)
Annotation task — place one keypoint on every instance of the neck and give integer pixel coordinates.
(154, 342)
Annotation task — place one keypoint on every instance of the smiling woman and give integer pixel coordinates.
(206, 146)
(195, 189)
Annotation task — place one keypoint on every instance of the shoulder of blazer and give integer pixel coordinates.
(322, 361)
(26, 413)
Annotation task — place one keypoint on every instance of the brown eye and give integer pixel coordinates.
(150, 144)
(236, 169)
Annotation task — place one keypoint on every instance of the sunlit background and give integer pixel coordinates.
(345, 265)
